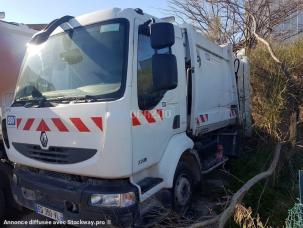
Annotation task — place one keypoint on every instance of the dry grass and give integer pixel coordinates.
(275, 96)
(244, 217)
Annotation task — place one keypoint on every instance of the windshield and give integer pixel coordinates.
(85, 61)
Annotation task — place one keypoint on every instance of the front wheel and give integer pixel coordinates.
(182, 188)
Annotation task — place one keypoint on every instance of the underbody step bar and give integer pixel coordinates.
(215, 166)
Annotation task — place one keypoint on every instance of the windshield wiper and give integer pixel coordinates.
(51, 102)
(85, 98)
(27, 102)
(81, 99)
(37, 98)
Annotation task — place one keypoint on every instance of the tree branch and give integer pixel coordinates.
(259, 38)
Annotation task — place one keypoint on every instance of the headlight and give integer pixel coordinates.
(113, 200)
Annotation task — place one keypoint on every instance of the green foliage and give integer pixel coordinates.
(269, 86)
(274, 98)
(276, 95)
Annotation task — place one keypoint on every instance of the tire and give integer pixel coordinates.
(183, 187)
(2, 206)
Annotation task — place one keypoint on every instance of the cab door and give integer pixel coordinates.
(155, 115)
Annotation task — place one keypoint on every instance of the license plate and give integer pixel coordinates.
(49, 213)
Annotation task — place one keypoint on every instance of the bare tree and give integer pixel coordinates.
(238, 21)
(218, 21)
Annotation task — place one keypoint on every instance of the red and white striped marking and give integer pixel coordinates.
(233, 113)
(147, 117)
(73, 124)
(202, 118)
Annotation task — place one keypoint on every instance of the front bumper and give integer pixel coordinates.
(58, 194)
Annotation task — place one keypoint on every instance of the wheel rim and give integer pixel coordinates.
(182, 190)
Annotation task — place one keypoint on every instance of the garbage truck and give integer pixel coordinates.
(117, 106)
(13, 41)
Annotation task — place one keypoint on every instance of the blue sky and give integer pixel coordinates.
(44, 11)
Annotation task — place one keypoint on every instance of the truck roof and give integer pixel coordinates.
(101, 15)
(96, 16)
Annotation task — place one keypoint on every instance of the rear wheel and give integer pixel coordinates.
(183, 187)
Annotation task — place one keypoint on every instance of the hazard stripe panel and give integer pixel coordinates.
(202, 118)
(59, 125)
(42, 126)
(147, 117)
(98, 122)
(78, 123)
(90, 124)
(18, 122)
(135, 120)
(84, 124)
(28, 124)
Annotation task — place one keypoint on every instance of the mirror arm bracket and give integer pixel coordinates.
(43, 35)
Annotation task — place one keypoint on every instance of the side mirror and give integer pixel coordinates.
(165, 74)
(162, 35)
(164, 66)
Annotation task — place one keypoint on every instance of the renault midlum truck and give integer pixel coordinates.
(116, 106)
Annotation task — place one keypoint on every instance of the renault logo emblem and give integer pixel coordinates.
(43, 139)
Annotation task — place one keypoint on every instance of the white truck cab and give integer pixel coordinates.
(114, 106)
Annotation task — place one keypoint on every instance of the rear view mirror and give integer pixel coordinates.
(162, 35)
(164, 66)
(165, 74)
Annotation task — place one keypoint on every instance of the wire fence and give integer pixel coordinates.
(295, 217)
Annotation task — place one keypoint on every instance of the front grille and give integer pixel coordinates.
(63, 176)
(54, 175)
(55, 155)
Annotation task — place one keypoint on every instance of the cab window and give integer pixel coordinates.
(147, 98)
